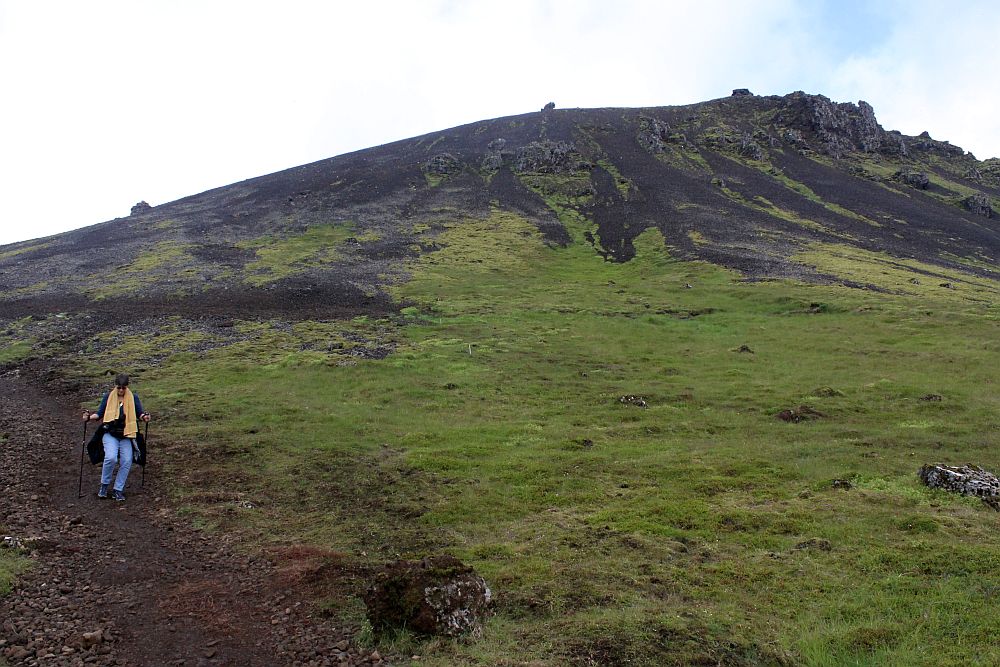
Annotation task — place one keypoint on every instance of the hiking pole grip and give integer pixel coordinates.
(83, 448)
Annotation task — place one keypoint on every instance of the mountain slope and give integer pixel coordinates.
(746, 182)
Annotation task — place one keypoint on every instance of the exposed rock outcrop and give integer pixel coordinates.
(438, 595)
(839, 128)
(979, 204)
(140, 208)
(924, 142)
(443, 164)
(742, 92)
(654, 134)
(750, 148)
(493, 159)
(549, 157)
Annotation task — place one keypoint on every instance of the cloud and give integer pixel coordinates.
(934, 73)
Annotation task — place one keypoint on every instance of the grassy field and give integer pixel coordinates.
(686, 525)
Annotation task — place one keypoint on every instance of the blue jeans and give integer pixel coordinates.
(116, 452)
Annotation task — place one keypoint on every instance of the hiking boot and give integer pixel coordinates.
(119, 496)
(103, 491)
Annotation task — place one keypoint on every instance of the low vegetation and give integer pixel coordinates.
(600, 441)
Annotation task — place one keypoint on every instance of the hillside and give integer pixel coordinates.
(746, 182)
(557, 346)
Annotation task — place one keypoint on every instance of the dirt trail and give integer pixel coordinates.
(128, 583)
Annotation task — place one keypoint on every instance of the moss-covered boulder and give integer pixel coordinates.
(438, 595)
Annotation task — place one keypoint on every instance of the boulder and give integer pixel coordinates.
(443, 164)
(742, 92)
(438, 595)
(969, 480)
(140, 208)
(549, 107)
(916, 179)
(979, 204)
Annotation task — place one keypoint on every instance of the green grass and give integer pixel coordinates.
(12, 562)
(14, 350)
(11, 565)
(697, 530)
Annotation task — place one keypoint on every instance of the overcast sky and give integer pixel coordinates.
(108, 103)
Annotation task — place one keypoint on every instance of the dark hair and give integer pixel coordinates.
(121, 380)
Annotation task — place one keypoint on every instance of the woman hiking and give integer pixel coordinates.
(119, 412)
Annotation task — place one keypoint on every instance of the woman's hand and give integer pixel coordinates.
(145, 417)
(86, 415)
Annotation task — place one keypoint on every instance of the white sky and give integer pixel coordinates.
(105, 103)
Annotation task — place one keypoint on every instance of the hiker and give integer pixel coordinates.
(119, 412)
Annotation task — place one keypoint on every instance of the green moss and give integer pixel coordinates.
(166, 257)
(901, 275)
(698, 238)
(764, 205)
(807, 192)
(16, 249)
(572, 188)
(278, 258)
(624, 185)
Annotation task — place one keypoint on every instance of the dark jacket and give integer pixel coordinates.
(117, 427)
(95, 448)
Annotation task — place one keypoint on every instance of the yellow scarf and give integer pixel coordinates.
(112, 408)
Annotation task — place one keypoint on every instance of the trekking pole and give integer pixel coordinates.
(146, 438)
(83, 448)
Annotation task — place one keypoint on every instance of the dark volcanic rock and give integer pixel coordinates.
(549, 157)
(654, 134)
(141, 208)
(622, 171)
(443, 164)
(493, 159)
(917, 179)
(742, 92)
(968, 480)
(979, 204)
(750, 148)
(840, 128)
(438, 595)
(799, 414)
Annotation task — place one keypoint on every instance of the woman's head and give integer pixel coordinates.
(121, 383)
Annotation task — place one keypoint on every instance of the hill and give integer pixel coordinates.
(558, 346)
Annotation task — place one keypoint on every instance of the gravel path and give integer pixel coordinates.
(129, 583)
